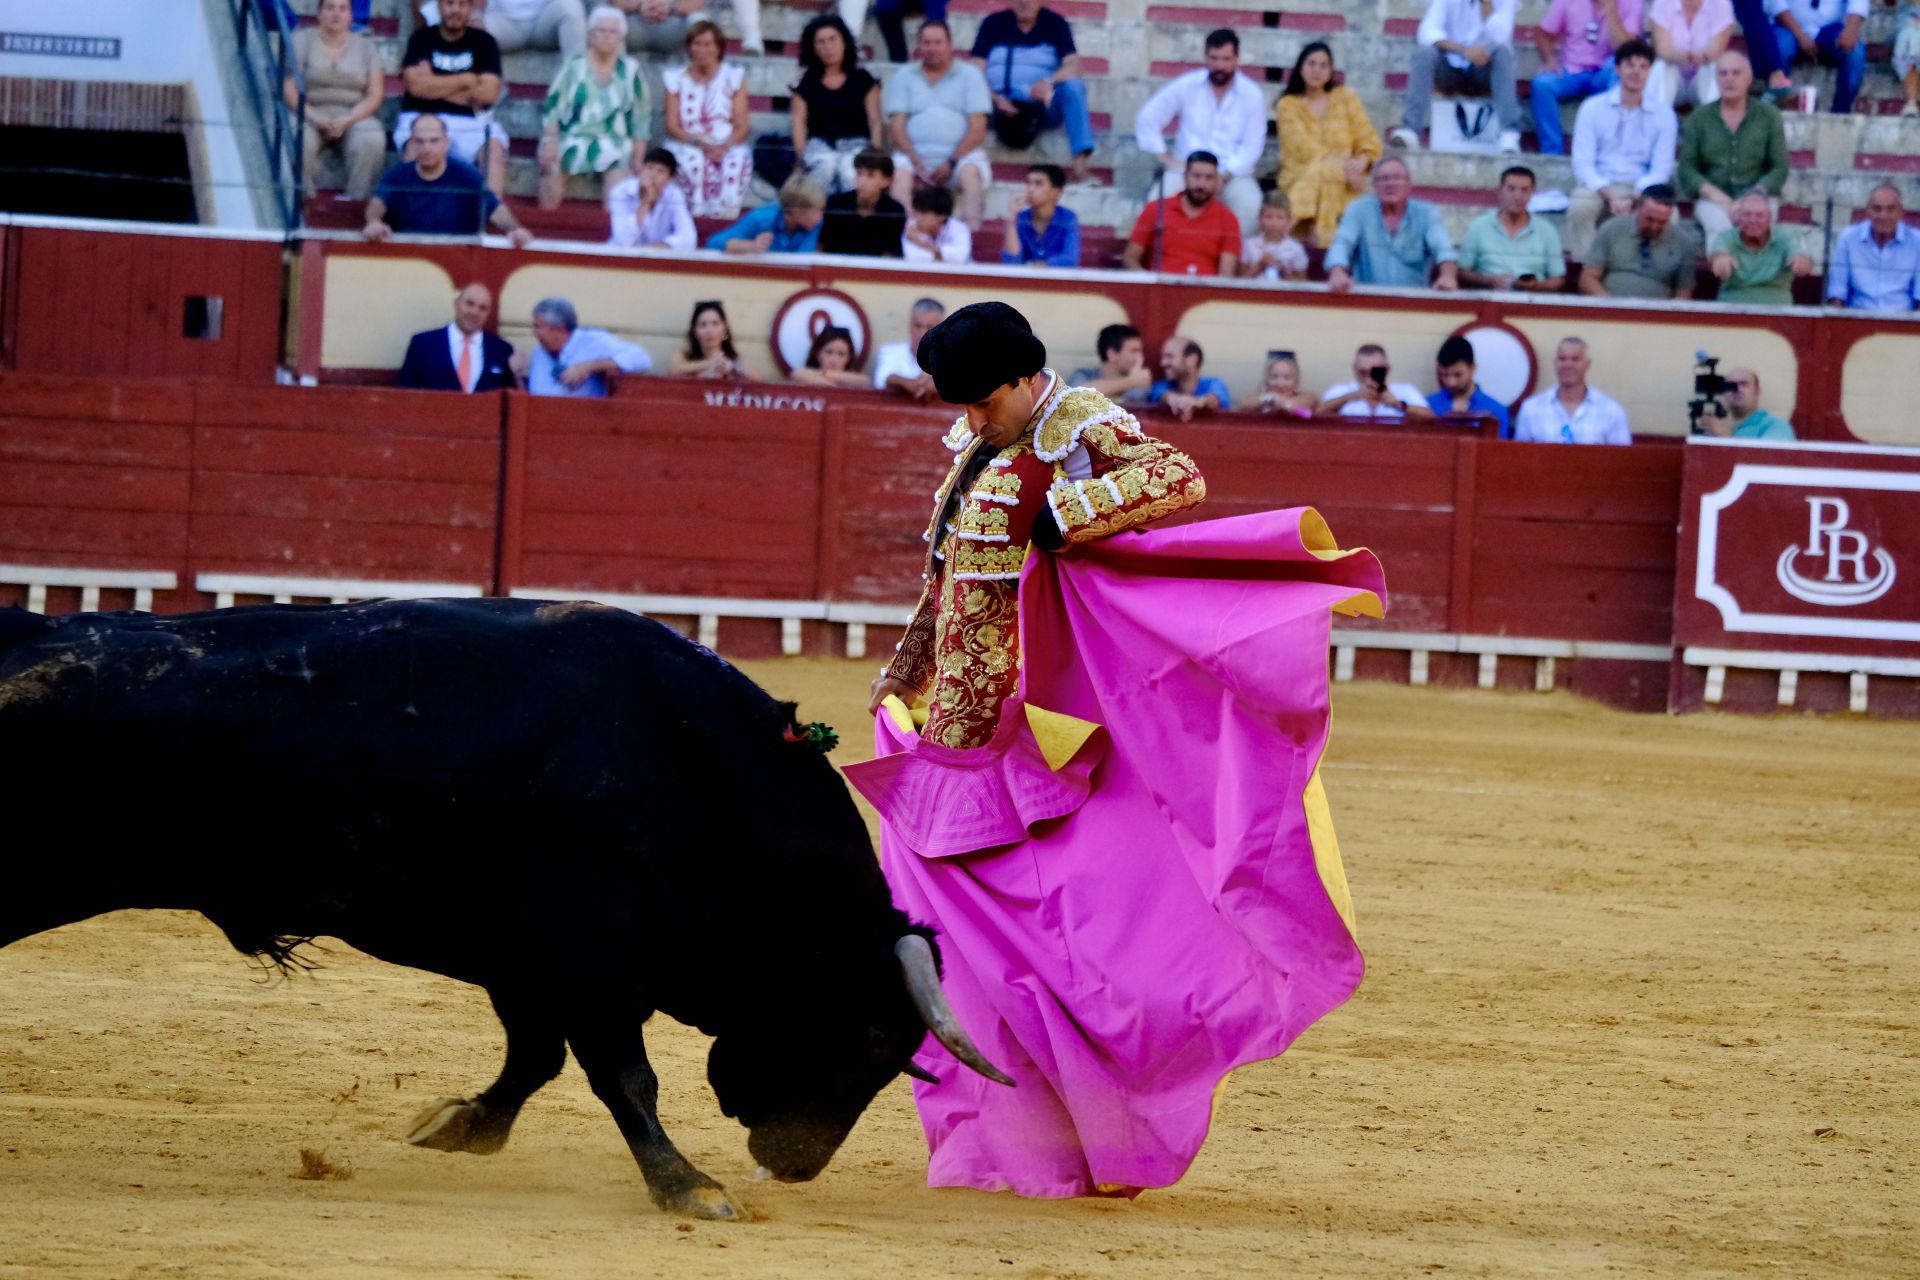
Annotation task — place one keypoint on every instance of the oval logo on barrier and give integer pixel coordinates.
(805, 315)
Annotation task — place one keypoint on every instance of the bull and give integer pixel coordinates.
(567, 805)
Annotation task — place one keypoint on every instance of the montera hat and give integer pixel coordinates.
(979, 349)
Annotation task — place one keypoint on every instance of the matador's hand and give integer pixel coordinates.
(1046, 531)
(891, 685)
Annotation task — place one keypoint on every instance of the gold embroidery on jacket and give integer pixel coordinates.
(1136, 479)
(978, 663)
(963, 644)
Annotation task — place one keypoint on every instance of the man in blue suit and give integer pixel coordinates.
(463, 356)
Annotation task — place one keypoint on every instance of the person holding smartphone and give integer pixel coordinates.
(1371, 394)
(1509, 248)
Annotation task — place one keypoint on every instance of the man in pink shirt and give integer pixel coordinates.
(1579, 63)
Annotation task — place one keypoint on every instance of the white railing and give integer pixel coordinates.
(37, 578)
(224, 587)
(1856, 668)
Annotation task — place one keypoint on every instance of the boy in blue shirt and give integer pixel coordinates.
(790, 224)
(1042, 233)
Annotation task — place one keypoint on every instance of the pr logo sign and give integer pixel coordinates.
(1845, 553)
(1807, 553)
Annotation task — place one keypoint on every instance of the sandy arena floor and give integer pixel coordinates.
(1642, 1000)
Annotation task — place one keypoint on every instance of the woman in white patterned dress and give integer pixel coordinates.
(707, 125)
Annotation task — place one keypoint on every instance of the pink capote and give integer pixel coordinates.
(1120, 933)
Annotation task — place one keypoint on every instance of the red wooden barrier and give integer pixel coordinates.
(94, 303)
(893, 460)
(94, 474)
(269, 482)
(1796, 585)
(660, 492)
(673, 498)
(1575, 543)
(338, 483)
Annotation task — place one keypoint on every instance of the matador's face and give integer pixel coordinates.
(1002, 417)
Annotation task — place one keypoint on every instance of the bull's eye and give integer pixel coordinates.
(877, 1044)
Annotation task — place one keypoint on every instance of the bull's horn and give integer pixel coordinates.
(923, 984)
(919, 1072)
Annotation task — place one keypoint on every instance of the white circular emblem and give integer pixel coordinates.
(802, 317)
(1503, 360)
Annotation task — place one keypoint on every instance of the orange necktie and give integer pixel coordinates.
(466, 364)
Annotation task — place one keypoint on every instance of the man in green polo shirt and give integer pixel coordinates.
(1734, 145)
(1745, 419)
(1510, 248)
(1756, 261)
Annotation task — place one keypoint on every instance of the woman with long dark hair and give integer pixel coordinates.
(1327, 144)
(830, 361)
(709, 351)
(835, 105)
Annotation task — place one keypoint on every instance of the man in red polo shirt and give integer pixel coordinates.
(1199, 235)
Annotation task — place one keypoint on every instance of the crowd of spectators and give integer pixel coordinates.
(900, 169)
(1677, 146)
(567, 359)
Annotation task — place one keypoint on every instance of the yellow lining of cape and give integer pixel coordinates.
(1060, 736)
(1318, 539)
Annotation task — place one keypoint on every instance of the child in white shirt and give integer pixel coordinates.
(1273, 254)
(933, 234)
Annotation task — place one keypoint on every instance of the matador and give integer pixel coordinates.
(1038, 464)
(1113, 814)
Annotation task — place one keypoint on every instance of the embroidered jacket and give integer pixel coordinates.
(1088, 463)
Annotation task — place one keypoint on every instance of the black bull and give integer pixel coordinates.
(565, 804)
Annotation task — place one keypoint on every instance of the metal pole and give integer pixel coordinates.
(1158, 194)
(1826, 250)
(299, 148)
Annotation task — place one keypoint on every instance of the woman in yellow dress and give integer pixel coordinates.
(1327, 144)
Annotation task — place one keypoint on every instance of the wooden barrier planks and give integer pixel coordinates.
(94, 474)
(894, 462)
(338, 483)
(1575, 542)
(675, 497)
(103, 304)
(665, 492)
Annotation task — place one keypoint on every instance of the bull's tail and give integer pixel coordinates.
(17, 624)
(274, 952)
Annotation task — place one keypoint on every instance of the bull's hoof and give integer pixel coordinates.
(456, 1124)
(708, 1202)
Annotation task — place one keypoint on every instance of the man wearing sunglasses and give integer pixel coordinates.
(1650, 255)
